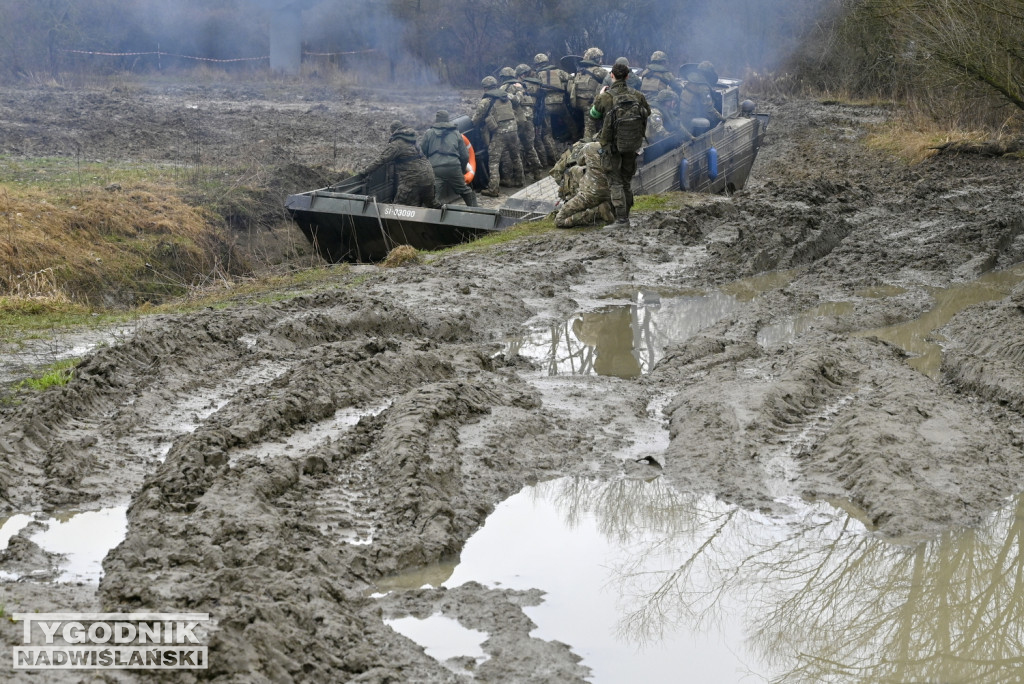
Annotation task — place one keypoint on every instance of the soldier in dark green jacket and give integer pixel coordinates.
(444, 147)
(415, 175)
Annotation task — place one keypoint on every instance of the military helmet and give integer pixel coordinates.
(659, 56)
(593, 55)
(489, 82)
(507, 73)
(522, 69)
(666, 95)
(622, 60)
(540, 58)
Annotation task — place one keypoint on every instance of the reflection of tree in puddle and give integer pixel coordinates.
(820, 599)
(622, 341)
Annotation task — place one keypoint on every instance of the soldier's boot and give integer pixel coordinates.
(621, 219)
(606, 212)
(490, 192)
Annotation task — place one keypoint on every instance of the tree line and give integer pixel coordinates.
(951, 57)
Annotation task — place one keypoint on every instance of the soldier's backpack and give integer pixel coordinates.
(629, 124)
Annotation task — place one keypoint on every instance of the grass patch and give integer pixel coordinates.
(652, 202)
(38, 317)
(56, 374)
(518, 231)
(914, 140)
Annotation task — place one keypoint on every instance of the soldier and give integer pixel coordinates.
(657, 77)
(695, 100)
(496, 120)
(448, 155)
(663, 120)
(560, 171)
(633, 81)
(625, 111)
(531, 107)
(592, 202)
(555, 87)
(524, 120)
(415, 175)
(584, 88)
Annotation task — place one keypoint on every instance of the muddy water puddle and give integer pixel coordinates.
(444, 640)
(918, 337)
(82, 538)
(645, 582)
(627, 340)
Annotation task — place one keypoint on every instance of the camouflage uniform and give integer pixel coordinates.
(584, 88)
(524, 121)
(415, 175)
(592, 203)
(619, 167)
(530, 135)
(555, 89)
(657, 76)
(568, 161)
(448, 155)
(663, 122)
(695, 103)
(695, 99)
(496, 119)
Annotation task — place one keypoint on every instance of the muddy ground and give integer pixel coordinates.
(278, 459)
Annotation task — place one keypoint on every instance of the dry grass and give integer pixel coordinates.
(402, 255)
(130, 244)
(915, 139)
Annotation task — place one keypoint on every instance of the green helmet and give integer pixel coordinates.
(593, 55)
(489, 82)
(622, 60)
(659, 56)
(507, 73)
(540, 58)
(522, 69)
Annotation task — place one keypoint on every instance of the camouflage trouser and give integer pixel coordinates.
(416, 192)
(584, 209)
(546, 146)
(591, 126)
(504, 143)
(620, 169)
(531, 162)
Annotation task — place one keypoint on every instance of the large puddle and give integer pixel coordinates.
(627, 340)
(645, 582)
(83, 538)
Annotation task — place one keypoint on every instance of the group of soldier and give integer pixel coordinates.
(518, 115)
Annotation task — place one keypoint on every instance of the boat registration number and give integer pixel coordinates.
(392, 210)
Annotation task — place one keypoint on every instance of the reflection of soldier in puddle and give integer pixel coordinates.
(611, 336)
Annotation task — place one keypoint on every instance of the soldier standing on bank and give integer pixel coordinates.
(448, 155)
(496, 120)
(625, 112)
(534, 99)
(415, 175)
(524, 120)
(555, 88)
(586, 83)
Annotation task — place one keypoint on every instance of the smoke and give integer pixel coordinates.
(446, 40)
